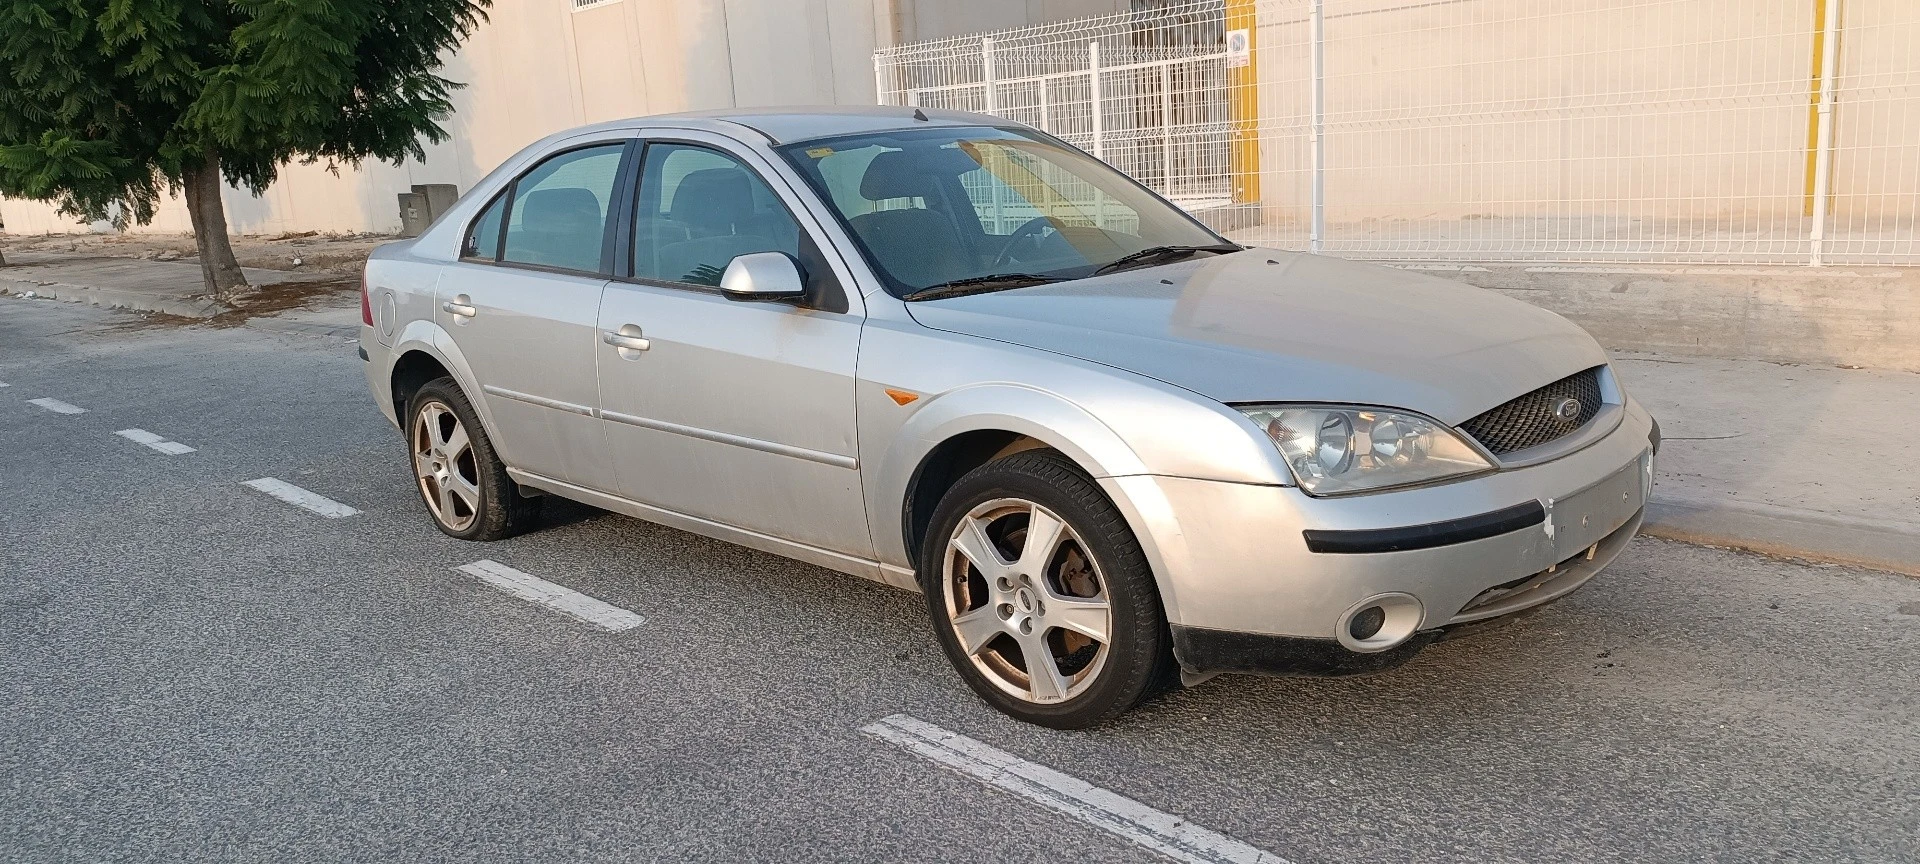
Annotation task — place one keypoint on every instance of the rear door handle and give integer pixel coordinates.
(626, 341)
(461, 306)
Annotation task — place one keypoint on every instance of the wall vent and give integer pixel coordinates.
(589, 4)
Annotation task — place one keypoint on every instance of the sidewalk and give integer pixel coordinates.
(1806, 461)
(167, 287)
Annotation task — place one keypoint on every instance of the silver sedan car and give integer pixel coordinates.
(1115, 451)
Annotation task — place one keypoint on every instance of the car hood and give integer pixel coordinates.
(1270, 326)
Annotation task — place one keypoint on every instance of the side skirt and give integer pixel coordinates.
(886, 574)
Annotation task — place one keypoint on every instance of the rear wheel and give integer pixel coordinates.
(460, 478)
(1041, 596)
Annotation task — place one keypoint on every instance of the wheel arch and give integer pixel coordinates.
(959, 431)
(422, 349)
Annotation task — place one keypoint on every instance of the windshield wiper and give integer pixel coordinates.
(978, 285)
(1157, 254)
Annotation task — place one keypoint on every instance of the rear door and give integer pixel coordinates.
(521, 306)
(739, 413)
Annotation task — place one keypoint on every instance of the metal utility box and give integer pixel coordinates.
(414, 217)
(440, 198)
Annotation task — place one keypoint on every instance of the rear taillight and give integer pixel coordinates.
(366, 303)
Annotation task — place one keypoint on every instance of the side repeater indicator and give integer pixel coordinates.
(901, 397)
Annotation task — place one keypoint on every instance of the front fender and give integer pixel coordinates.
(1044, 416)
(1039, 414)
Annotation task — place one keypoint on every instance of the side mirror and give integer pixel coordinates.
(763, 276)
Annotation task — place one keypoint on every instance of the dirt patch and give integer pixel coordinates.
(274, 299)
(301, 252)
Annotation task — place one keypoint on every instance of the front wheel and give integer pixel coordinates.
(460, 478)
(1040, 595)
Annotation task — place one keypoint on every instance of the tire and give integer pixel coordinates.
(460, 478)
(1013, 606)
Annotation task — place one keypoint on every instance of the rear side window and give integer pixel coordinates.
(483, 241)
(559, 214)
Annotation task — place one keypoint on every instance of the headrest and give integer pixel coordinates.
(564, 209)
(711, 200)
(896, 174)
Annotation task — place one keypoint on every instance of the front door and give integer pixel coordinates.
(522, 305)
(737, 413)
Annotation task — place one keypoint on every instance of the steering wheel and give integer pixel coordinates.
(1029, 229)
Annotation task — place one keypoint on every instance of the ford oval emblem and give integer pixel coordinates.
(1567, 409)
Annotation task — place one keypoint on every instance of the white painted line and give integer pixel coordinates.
(1165, 833)
(57, 406)
(301, 498)
(559, 598)
(142, 436)
(3, 383)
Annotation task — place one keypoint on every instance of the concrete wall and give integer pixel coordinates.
(937, 19)
(1641, 112)
(1839, 316)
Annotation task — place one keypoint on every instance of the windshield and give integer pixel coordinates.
(931, 207)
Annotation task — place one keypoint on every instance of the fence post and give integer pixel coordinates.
(1317, 229)
(1093, 87)
(879, 80)
(1046, 119)
(1823, 144)
(1166, 128)
(987, 75)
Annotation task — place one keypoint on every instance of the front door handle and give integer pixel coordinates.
(627, 338)
(461, 305)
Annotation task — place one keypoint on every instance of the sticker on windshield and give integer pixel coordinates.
(820, 152)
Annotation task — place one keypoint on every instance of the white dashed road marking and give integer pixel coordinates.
(556, 597)
(301, 498)
(3, 383)
(142, 436)
(1165, 833)
(57, 406)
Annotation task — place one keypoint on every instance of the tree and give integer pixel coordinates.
(107, 104)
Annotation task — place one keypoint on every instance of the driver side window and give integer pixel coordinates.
(700, 209)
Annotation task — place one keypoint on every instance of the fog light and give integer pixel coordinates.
(1366, 622)
(1378, 623)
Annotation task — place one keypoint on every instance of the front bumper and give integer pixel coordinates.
(1267, 579)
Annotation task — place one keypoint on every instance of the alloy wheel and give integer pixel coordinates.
(1026, 601)
(444, 462)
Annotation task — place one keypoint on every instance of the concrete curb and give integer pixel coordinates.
(1797, 536)
(1793, 314)
(303, 328)
(115, 298)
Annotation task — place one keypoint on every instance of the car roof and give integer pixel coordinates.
(787, 124)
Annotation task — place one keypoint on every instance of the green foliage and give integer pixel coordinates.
(105, 101)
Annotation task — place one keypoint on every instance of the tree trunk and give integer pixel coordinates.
(218, 269)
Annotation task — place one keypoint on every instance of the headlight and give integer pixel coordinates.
(1334, 450)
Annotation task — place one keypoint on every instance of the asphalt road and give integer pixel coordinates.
(191, 670)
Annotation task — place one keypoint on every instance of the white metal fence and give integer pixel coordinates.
(1749, 131)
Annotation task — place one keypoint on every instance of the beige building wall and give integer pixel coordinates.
(1645, 112)
(538, 67)
(918, 20)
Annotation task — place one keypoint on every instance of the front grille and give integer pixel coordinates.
(1531, 420)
